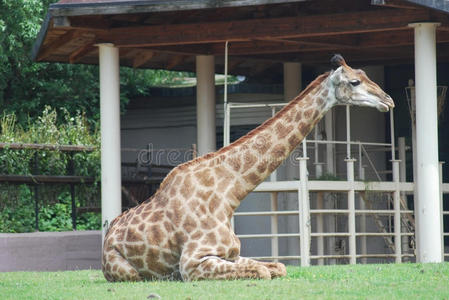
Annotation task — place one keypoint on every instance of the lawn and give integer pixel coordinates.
(403, 281)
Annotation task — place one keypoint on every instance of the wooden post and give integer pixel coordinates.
(36, 194)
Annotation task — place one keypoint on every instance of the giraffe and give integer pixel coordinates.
(184, 232)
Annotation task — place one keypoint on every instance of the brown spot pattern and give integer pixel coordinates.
(138, 263)
(238, 191)
(180, 238)
(278, 151)
(156, 235)
(169, 258)
(234, 162)
(197, 235)
(281, 130)
(190, 248)
(304, 128)
(205, 178)
(189, 224)
(168, 226)
(272, 166)
(204, 195)
(293, 141)
(214, 203)
(298, 116)
(133, 236)
(187, 187)
(252, 178)
(134, 250)
(262, 143)
(210, 239)
(262, 167)
(248, 160)
(208, 223)
(157, 216)
(308, 113)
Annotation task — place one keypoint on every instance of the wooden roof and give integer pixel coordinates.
(261, 33)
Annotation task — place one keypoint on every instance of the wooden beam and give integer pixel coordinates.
(354, 55)
(244, 30)
(242, 48)
(201, 49)
(394, 3)
(57, 43)
(320, 43)
(64, 148)
(128, 7)
(260, 68)
(85, 49)
(233, 63)
(174, 61)
(142, 58)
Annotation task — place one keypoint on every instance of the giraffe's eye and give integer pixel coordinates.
(355, 82)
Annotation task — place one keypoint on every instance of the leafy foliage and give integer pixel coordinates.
(52, 217)
(17, 202)
(26, 87)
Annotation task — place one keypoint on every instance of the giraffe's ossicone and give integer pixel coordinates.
(184, 232)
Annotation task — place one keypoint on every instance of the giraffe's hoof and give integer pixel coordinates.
(263, 272)
(278, 271)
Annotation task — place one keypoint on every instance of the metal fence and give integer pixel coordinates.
(394, 225)
(393, 221)
(47, 188)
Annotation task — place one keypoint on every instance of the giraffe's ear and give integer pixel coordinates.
(337, 61)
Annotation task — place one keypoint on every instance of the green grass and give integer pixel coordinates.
(403, 281)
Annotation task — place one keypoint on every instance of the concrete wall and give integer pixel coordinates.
(50, 251)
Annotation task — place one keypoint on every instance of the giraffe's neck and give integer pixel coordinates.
(256, 155)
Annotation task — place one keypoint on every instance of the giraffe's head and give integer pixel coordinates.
(353, 87)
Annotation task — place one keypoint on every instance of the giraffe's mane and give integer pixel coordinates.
(318, 81)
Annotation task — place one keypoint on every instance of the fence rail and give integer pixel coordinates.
(36, 180)
(318, 187)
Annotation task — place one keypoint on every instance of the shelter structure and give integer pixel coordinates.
(266, 39)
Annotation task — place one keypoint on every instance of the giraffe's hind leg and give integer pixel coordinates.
(213, 267)
(116, 268)
(276, 269)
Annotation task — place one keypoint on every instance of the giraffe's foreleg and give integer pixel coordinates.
(214, 267)
(276, 269)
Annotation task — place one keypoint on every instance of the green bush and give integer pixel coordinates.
(17, 201)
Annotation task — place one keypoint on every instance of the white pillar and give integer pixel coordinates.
(397, 213)
(111, 182)
(330, 169)
(292, 88)
(363, 240)
(205, 104)
(402, 159)
(274, 226)
(304, 211)
(429, 228)
(351, 214)
(319, 200)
